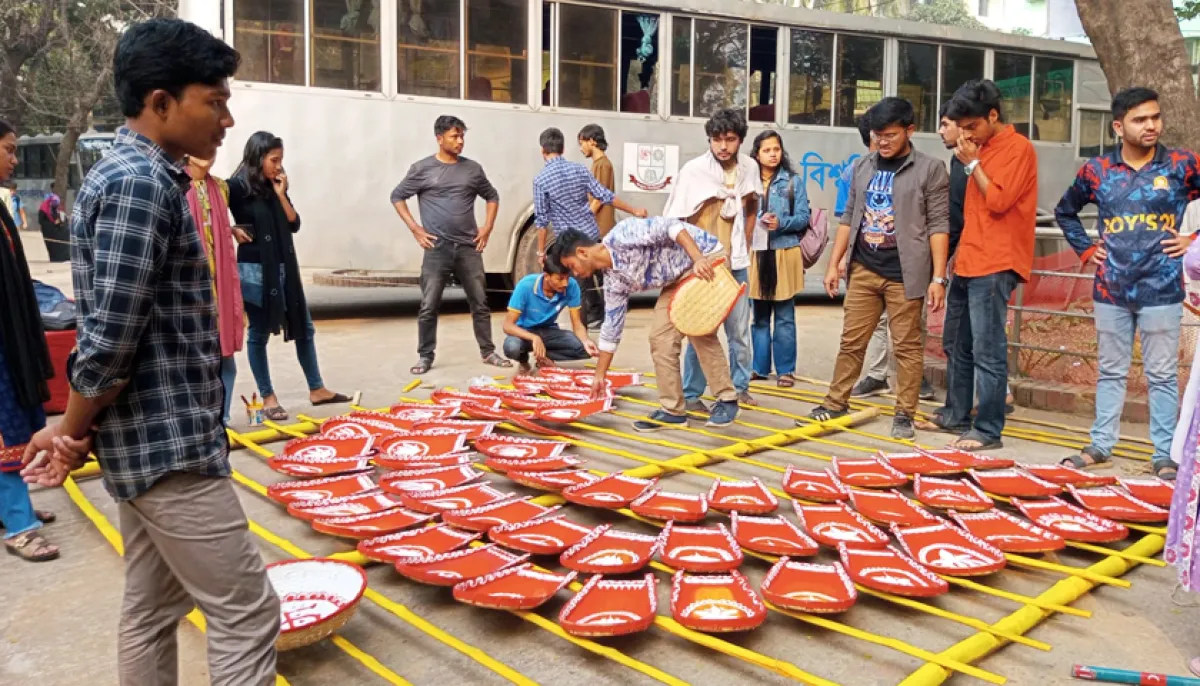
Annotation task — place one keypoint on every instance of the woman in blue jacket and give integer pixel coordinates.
(777, 273)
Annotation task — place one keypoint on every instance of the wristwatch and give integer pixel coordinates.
(940, 280)
(970, 168)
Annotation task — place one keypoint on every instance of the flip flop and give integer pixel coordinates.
(496, 361)
(421, 367)
(275, 414)
(1165, 470)
(975, 437)
(27, 545)
(335, 399)
(786, 381)
(1095, 459)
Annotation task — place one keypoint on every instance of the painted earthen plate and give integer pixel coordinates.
(716, 603)
(458, 498)
(315, 591)
(485, 517)
(378, 423)
(834, 525)
(611, 492)
(700, 548)
(414, 448)
(542, 536)
(611, 607)
(432, 479)
(448, 569)
(410, 545)
(374, 524)
(1071, 522)
(611, 551)
(1016, 483)
(890, 507)
(412, 464)
(747, 497)
(562, 411)
(867, 473)
(532, 464)
(321, 447)
(1066, 475)
(821, 486)
(552, 481)
(1116, 503)
(771, 536)
(666, 505)
(890, 571)
(1009, 533)
(1154, 491)
(521, 587)
(473, 428)
(287, 492)
(946, 549)
(950, 494)
(515, 447)
(920, 462)
(809, 587)
(445, 396)
(366, 502)
(971, 460)
(412, 414)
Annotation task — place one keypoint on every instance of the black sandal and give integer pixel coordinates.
(975, 437)
(496, 361)
(1165, 469)
(422, 366)
(1088, 458)
(335, 399)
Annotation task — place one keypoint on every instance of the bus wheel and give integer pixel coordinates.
(526, 260)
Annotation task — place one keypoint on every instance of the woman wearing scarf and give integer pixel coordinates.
(272, 289)
(777, 273)
(24, 368)
(208, 200)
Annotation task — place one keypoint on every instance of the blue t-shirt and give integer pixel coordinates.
(529, 298)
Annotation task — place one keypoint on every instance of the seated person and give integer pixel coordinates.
(532, 321)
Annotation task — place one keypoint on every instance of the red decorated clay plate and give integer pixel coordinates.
(749, 497)
(920, 462)
(615, 379)
(867, 473)
(833, 525)
(412, 464)
(314, 591)
(771, 536)
(1153, 491)
(1115, 503)
(716, 603)
(532, 464)
(821, 486)
(458, 498)
(495, 514)
(542, 536)
(473, 428)
(949, 550)
(522, 587)
(448, 569)
(323, 448)
(890, 507)
(612, 492)
(1015, 483)
(398, 448)
(1071, 522)
(514, 447)
(432, 479)
(410, 545)
(611, 551)
(659, 504)
(344, 427)
(287, 492)
(375, 422)
(374, 524)
(611, 607)
(1065, 475)
(700, 548)
(971, 460)
(808, 587)
(367, 502)
(889, 571)
(552, 481)
(951, 494)
(444, 396)
(317, 460)
(1009, 533)
(562, 411)
(567, 392)
(412, 414)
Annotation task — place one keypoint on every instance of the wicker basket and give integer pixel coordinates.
(699, 307)
(317, 597)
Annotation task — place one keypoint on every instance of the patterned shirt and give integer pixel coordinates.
(1136, 206)
(645, 256)
(146, 315)
(560, 197)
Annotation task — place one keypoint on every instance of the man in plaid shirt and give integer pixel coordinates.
(146, 374)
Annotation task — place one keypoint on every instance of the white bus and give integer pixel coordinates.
(353, 88)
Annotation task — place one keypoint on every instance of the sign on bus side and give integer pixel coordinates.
(649, 167)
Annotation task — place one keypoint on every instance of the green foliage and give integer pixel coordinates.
(948, 13)
(1021, 31)
(1190, 9)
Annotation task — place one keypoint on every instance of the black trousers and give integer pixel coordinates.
(442, 261)
(561, 346)
(593, 299)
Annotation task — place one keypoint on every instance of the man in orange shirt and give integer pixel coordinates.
(994, 253)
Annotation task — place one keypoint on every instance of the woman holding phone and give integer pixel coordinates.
(272, 288)
(777, 273)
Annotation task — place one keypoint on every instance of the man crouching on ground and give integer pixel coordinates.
(642, 255)
(532, 322)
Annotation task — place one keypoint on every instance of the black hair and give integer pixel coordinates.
(6, 128)
(785, 162)
(554, 266)
(448, 122)
(726, 121)
(976, 98)
(864, 127)
(250, 170)
(889, 111)
(53, 186)
(943, 111)
(564, 245)
(1129, 98)
(552, 141)
(170, 55)
(595, 134)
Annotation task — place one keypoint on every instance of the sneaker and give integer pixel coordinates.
(723, 414)
(744, 398)
(867, 387)
(822, 414)
(902, 427)
(926, 390)
(659, 420)
(697, 405)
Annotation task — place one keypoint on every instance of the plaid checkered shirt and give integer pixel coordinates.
(146, 315)
(560, 197)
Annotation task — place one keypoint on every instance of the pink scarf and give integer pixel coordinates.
(229, 287)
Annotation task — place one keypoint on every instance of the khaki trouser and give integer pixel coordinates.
(187, 544)
(666, 342)
(868, 295)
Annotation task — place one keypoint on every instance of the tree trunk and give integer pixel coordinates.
(76, 126)
(12, 108)
(1139, 44)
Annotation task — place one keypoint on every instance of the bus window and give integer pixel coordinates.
(812, 67)
(763, 48)
(270, 36)
(427, 57)
(497, 50)
(1053, 85)
(681, 67)
(918, 81)
(1011, 74)
(89, 152)
(345, 46)
(587, 57)
(721, 60)
(959, 65)
(1095, 133)
(860, 77)
(639, 57)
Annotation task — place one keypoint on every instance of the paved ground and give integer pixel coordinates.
(59, 626)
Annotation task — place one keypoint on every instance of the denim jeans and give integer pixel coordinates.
(16, 510)
(1115, 328)
(443, 260)
(561, 345)
(741, 351)
(228, 377)
(780, 344)
(256, 351)
(976, 312)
